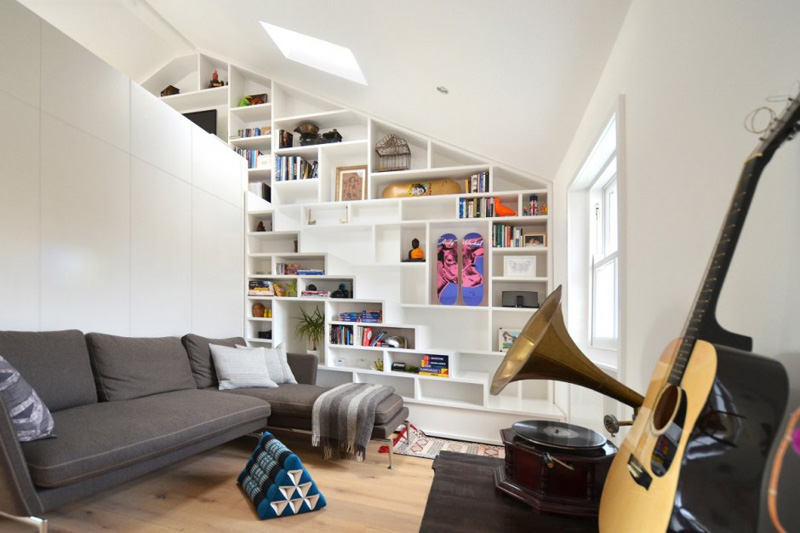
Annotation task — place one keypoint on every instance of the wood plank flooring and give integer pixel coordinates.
(200, 494)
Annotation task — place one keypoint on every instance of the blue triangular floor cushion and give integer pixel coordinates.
(277, 482)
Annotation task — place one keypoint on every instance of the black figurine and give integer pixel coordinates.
(341, 292)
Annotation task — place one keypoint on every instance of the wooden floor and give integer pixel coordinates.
(200, 494)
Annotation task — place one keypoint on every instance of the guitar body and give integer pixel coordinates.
(702, 470)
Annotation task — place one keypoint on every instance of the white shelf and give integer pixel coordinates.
(198, 100)
(252, 143)
(257, 340)
(503, 279)
(252, 113)
(325, 120)
(520, 250)
(368, 248)
(259, 174)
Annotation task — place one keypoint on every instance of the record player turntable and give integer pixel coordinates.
(555, 467)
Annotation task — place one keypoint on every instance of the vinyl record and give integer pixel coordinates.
(558, 434)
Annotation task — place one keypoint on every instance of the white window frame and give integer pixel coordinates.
(586, 237)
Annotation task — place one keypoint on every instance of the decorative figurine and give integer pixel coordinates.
(215, 81)
(169, 90)
(415, 255)
(260, 226)
(502, 210)
(544, 209)
(332, 136)
(259, 311)
(341, 292)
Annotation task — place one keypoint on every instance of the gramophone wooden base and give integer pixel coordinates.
(557, 489)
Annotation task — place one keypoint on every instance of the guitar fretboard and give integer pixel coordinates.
(702, 323)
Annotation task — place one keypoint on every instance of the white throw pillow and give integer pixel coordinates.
(276, 361)
(237, 369)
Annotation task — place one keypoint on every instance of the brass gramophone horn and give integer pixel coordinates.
(544, 350)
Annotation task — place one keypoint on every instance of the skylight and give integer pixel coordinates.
(322, 55)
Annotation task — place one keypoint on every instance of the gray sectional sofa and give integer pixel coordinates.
(124, 407)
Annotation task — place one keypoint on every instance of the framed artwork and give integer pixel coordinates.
(535, 239)
(351, 183)
(519, 266)
(506, 337)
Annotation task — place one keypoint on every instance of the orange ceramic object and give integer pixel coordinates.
(502, 210)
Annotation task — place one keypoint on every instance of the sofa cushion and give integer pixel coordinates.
(240, 368)
(29, 415)
(297, 401)
(106, 436)
(55, 363)
(130, 367)
(277, 364)
(200, 357)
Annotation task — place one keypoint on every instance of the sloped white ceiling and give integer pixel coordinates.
(519, 72)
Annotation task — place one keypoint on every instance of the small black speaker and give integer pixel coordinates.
(520, 299)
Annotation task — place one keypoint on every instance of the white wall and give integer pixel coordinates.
(690, 72)
(116, 213)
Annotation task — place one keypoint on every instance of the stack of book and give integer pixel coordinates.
(251, 156)
(287, 269)
(435, 365)
(318, 294)
(477, 182)
(373, 316)
(476, 207)
(252, 132)
(310, 272)
(293, 167)
(260, 287)
(507, 236)
(342, 335)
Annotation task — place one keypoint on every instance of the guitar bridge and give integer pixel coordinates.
(638, 473)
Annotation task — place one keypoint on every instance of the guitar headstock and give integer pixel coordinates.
(782, 128)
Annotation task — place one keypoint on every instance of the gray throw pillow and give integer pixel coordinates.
(238, 369)
(30, 416)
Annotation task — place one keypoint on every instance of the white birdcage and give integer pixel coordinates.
(393, 154)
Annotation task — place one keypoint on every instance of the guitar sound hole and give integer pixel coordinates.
(665, 407)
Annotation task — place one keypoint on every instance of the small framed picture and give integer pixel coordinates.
(351, 183)
(519, 266)
(535, 239)
(506, 337)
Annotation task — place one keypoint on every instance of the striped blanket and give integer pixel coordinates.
(342, 419)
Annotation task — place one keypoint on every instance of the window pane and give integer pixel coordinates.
(605, 304)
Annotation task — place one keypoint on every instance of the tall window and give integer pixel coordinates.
(604, 254)
(594, 246)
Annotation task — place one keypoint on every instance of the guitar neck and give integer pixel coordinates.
(702, 322)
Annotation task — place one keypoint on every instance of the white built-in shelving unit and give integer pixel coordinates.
(362, 244)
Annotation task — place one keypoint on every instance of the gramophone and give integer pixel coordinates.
(553, 466)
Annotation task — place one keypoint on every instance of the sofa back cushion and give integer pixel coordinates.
(130, 367)
(200, 357)
(55, 363)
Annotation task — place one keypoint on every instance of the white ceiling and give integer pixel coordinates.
(519, 72)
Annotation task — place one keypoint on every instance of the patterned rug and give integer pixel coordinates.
(421, 445)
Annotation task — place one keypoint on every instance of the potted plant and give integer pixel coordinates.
(311, 326)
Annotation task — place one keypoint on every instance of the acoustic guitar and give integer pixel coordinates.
(696, 454)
